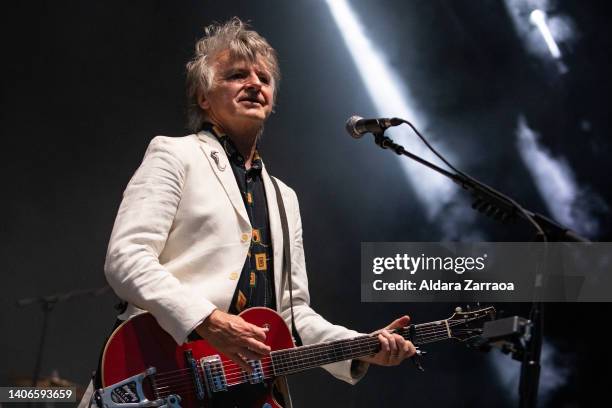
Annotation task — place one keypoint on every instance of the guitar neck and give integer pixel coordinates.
(302, 358)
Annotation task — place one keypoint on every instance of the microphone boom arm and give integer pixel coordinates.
(487, 200)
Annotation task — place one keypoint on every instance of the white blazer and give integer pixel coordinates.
(181, 237)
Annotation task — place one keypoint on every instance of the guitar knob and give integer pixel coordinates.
(458, 309)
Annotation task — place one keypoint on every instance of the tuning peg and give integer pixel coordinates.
(458, 309)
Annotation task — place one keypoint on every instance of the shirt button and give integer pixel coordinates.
(244, 237)
(234, 275)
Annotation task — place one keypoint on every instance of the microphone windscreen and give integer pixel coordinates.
(351, 126)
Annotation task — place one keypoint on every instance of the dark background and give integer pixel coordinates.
(86, 85)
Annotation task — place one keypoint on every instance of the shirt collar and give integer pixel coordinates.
(230, 149)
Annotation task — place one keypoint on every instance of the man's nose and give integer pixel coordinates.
(253, 82)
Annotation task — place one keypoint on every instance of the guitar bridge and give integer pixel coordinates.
(129, 393)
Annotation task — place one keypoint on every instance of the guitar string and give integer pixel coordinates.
(286, 360)
(231, 382)
(232, 375)
(291, 354)
(364, 347)
(434, 327)
(241, 378)
(191, 390)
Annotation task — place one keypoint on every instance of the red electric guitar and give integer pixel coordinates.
(142, 366)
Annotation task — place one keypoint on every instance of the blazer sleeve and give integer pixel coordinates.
(311, 326)
(144, 219)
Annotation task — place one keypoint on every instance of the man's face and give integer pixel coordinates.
(241, 95)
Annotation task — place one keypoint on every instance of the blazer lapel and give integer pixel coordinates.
(220, 164)
(276, 232)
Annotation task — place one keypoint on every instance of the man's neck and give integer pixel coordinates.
(244, 139)
(246, 146)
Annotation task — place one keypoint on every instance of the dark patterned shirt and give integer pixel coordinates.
(256, 283)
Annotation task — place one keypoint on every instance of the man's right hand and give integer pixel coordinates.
(235, 337)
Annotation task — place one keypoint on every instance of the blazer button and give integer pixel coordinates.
(245, 237)
(234, 275)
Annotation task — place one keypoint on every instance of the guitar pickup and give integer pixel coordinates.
(214, 373)
(257, 376)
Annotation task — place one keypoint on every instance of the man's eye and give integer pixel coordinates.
(264, 79)
(236, 75)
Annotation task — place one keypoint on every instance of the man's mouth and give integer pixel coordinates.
(251, 100)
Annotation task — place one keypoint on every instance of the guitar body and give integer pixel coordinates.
(140, 343)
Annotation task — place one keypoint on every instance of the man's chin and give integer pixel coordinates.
(254, 117)
(248, 123)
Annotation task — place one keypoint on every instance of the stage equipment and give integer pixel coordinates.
(501, 207)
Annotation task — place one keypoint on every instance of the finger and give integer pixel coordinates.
(257, 347)
(407, 350)
(405, 353)
(389, 350)
(392, 356)
(393, 349)
(398, 323)
(411, 349)
(238, 359)
(250, 355)
(384, 343)
(258, 333)
(402, 346)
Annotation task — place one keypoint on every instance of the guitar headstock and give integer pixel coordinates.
(464, 325)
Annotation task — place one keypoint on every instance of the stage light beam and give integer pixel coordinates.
(538, 18)
(391, 98)
(557, 184)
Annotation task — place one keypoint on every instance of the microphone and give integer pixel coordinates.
(357, 126)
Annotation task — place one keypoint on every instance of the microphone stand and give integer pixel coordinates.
(501, 207)
(48, 303)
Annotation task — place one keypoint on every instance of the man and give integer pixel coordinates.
(198, 235)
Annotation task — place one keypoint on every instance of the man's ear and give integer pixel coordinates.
(202, 101)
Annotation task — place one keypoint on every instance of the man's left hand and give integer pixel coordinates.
(393, 348)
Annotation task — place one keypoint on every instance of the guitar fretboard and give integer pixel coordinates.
(306, 357)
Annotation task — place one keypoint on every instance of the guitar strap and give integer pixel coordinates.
(286, 259)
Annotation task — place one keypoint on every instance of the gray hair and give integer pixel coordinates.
(242, 43)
